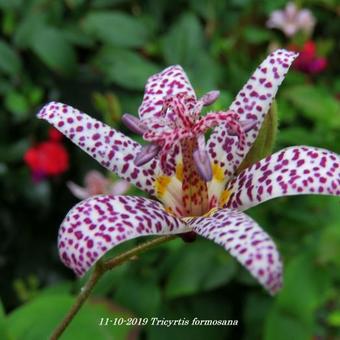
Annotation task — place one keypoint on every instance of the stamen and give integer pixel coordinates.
(246, 126)
(147, 153)
(210, 97)
(133, 123)
(180, 121)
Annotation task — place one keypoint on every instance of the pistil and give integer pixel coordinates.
(194, 187)
(180, 122)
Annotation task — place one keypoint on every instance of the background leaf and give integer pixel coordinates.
(193, 272)
(315, 103)
(9, 60)
(116, 28)
(125, 68)
(183, 42)
(264, 143)
(3, 325)
(37, 319)
(53, 49)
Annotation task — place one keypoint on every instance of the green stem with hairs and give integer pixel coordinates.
(98, 272)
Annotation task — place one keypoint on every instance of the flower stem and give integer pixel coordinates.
(99, 270)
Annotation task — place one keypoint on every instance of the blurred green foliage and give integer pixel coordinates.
(96, 55)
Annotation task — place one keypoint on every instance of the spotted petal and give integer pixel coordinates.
(291, 171)
(252, 103)
(109, 147)
(171, 81)
(245, 240)
(99, 223)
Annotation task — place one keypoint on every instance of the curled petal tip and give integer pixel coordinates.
(210, 97)
(146, 154)
(133, 123)
(202, 162)
(45, 109)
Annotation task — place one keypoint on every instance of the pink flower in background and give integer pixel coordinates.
(308, 61)
(196, 182)
(292, 20)
(97, 184)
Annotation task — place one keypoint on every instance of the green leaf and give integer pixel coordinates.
(106, 3)
(35, 95)
(282, 326)
(78, 37)
(208, 9)
(111, 280)
(6, 5)
(204, 73)
(184, 42)
(116, 28)
(15, 151)
(32, 24)
(315, 103)
(329, 245)
(54, 50)
(333, 318)
(199, 267)
(5, 86)
(208, 306)
(256, 35)
(306, 287)
(17, 104)
(184, 45)
(4, 335)
(110, 107)
(256, 308)
(10, 62)
(125, 68)
(265, 140)
(140, 295)
(294, 135)
(38, 318)
(75, 3)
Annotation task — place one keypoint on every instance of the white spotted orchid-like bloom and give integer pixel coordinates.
(292, 20)
(195, 181)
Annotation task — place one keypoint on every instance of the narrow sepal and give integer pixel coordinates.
(110, 148)
(296, 170)
(252, 102)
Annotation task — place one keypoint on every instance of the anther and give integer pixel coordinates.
(210, 97)
(146, 154)
(133, 123)
(203, 166)
(246, 126)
